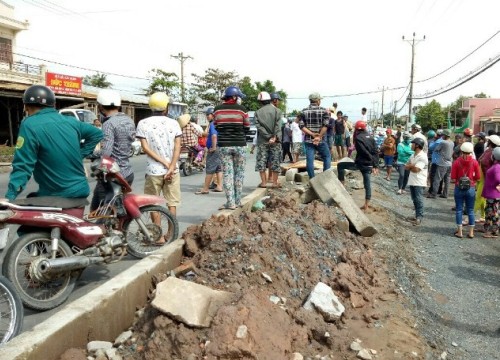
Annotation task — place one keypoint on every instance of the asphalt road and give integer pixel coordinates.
(194, 209)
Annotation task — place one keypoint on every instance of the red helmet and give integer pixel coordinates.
(468, 132)
(360, 125)
(389, 131)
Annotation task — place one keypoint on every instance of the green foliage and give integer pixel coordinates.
(430, 116)
(97, 80)
(163, 81)
(210, 86)
(481, 95)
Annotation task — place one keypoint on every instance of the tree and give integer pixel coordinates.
(251, 91)
(481, 95)
(163, 81)
(97, 80)
(453, 111)
(430, 116)
(210, 86)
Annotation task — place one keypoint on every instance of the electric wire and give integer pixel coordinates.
(459, 61)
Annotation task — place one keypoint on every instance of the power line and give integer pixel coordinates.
(81, 68)
(458, 62)
(438, 92)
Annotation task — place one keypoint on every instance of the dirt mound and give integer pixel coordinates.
(272, 259)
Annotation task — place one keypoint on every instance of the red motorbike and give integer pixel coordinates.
(58, 241)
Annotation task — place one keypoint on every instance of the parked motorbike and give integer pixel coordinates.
(58, 241)
(187, 160)
(11, 311)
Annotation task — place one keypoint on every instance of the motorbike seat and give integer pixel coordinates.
(53, 201)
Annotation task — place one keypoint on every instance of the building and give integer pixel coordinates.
(483, 113)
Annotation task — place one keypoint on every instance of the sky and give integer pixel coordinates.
(336, 48)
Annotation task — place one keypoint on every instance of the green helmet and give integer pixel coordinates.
(431, 134)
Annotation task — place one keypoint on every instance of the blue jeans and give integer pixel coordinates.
(324, 152)
(403, 176)
(365, 171)
(467, 196)
(417, 196)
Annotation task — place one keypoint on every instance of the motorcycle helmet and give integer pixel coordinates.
(275, 96)
(416, 127)
(468, 132)
(496, 153)
(418, 142)
(158, 101)
(39, 95)
(231, 91)
(263, 96)
(209, 110)
(467, 147)
(406, 135)
(360, 125)
(108, 97)
(431, 134)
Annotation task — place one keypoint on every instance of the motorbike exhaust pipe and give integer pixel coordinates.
(63, 265)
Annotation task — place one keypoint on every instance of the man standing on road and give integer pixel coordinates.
(444, 156)
(287, 140)
(366, 160)
(339, 138)
(296, 139)
(213, 163)
(416, 131)
(119, 134)
(268, 123)
(313, 123)
(161, 140)
(417, 165)
(49, 147)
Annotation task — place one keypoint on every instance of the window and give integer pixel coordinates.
(6, 50)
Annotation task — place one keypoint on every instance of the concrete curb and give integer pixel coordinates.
(102, 314)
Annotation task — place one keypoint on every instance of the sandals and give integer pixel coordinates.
(225, 207)
(201, 192)
(275, 186)
(489, 236)
(456, 234)
(262, 186)
(217, 190)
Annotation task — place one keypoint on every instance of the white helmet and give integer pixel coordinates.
(467, 147)
(108, 97)
(264, 96)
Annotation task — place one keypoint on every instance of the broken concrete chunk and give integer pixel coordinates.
(93, 346)
(356, 346)
(297, 356)
(124, 336)
(364, 354)
(267, 277)
(242, 331)
(325, 302)
(193, 304)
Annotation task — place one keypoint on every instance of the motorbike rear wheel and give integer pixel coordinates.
(187, 169)
(36, 294)
(160, 223)
(11, 311)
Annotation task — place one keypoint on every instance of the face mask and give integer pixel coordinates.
(238, 101)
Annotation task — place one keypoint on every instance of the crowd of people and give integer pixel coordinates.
(51, 148)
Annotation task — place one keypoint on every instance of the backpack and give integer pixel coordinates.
(464, 181)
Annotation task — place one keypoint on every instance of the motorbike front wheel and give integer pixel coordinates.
(187, 169)
(11, 311)
(162, 226)
(37, 294)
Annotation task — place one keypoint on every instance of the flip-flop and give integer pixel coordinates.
(470, 236)
(217, 190)
(262, 186)
(224, 207)
(201, 192)
(458, 236)
(275, 186)
(490, 236)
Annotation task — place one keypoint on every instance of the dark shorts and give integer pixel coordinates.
(339, 140)
(388, 160)
(213, 164)
(268, 154)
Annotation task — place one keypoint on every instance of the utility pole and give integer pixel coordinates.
(413, 42)
(382, 112)
(180, 56)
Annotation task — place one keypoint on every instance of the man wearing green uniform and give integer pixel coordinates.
(51, 147)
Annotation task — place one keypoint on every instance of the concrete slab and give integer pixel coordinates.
(102, 314)
(330, 190)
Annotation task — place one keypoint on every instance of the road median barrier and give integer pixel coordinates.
(102, 314)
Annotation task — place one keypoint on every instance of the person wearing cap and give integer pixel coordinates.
(268, 124)
(232, 124)
(416, 130)
(433, 163)
(160, 138)
(479, 147)
(50, 141)
(404, 153)
(388, 149)
(491, 193)
(444, 157)
(119, 134)
(313, 123)
(466, 167)
(213, 166)
(417, 165)
(485, 162)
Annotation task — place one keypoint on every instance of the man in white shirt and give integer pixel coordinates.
(416, 131)
(161, 140)
(418, 165)
(296, 139)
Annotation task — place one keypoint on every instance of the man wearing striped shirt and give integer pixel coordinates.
(119, 133)
(314, 123)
